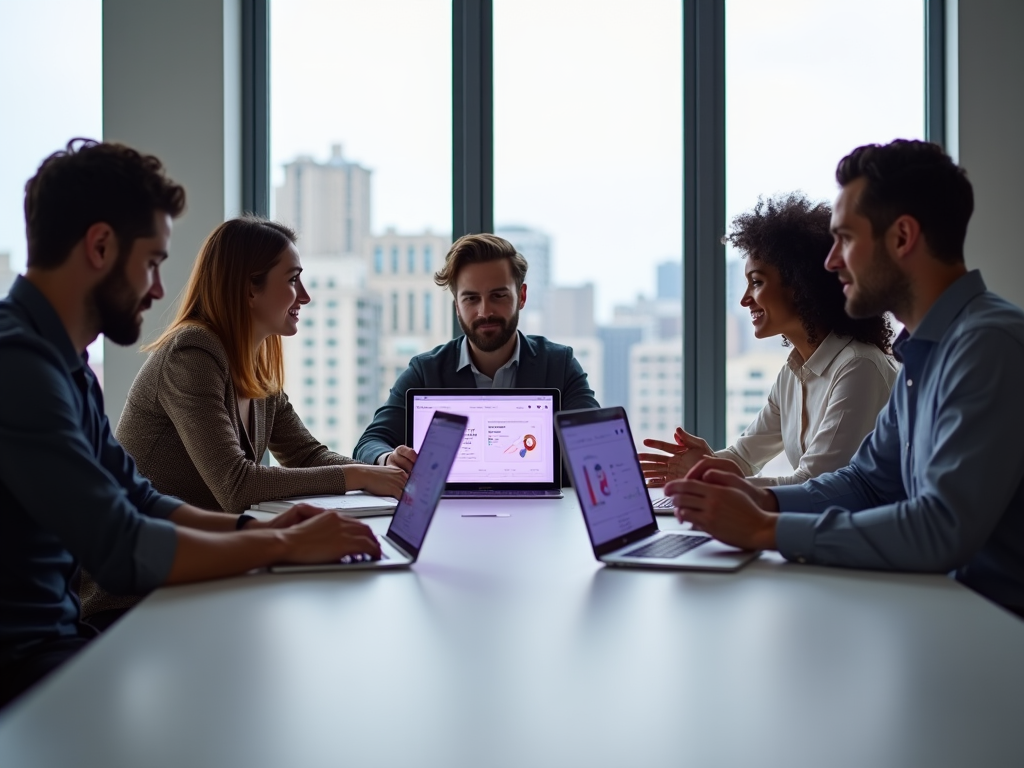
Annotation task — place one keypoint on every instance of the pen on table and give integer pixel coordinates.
(488, 515)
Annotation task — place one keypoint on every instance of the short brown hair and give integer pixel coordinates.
(90, 182)
(474, 249)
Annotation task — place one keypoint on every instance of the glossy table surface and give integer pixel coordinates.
(509, 645)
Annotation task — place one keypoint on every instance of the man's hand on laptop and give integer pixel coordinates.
(402, 457)
(327, 537)
(716, 500)
(380, 481)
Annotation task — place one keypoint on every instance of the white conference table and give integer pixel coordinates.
(509, 645)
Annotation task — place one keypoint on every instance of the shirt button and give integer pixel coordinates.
(910, 382)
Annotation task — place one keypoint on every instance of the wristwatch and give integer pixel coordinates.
(242, 520)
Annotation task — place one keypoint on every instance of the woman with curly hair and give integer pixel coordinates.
(839, 374)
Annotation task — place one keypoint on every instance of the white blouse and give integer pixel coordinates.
(818, 411)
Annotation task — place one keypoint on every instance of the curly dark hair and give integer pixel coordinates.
(792, 234)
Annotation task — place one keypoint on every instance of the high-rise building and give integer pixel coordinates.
(328, 204)
(617, 342)
(569, 312)
(331, 372)
(749, 380)
(416, 313)
(670, 280)
(589, 353)
(7, 274)
(534, 246)
(655, 389)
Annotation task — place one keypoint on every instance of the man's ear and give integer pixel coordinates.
(904, 236)
(522, 295)
(100, 246)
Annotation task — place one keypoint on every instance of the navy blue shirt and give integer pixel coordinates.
(939, 485)
(70, 495)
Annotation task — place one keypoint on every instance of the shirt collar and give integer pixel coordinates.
(952, 301)
(45, 320)
(821, 358)
(465, 359)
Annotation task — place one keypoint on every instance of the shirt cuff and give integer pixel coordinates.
(162, 507)
(382, 459)
(155, 548)
(794, 536)
(794, 498)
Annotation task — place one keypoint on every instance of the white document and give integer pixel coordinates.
(354, 503)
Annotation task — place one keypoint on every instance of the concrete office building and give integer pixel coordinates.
(7, 274)
(327, 203)
(670, 280)
(569, 312)
(617, 342)
(331, 372)
(655, 388)
(416, 313)
(535, 247)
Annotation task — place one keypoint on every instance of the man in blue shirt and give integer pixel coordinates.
(939, 485)
(98, 222)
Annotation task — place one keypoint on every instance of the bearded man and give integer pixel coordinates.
(487, 278)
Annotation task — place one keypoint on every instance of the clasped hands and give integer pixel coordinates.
(711, 492)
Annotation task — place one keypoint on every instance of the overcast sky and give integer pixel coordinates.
(587, 109)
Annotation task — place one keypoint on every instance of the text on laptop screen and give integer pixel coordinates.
(608, 481)
(509, 438)
(426, 483)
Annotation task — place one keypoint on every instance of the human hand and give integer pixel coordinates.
(402, 457)
(380, 481)
(327, 537)
(678, 458)
(716, 470)
(294, 515)
(723, 506)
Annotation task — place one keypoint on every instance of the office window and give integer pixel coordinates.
(411, 322)
(345, 78)
(797, 101)
(427, 259)
(428, 308)
(44, 105)
(588, 170)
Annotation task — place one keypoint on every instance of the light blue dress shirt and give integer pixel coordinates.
(939, 485)
(504, 377)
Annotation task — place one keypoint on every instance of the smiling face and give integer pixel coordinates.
(275, 305)
(872, 281)
(487, 303)
(132, 285)
(769, 301)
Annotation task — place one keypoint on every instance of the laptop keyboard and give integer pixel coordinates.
(665, 502)
(667, 546)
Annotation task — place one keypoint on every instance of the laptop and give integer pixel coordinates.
(601, 457)
(510, 450)
(401, 545)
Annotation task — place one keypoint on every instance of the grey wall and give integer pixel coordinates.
(172, 88)
(986, 130)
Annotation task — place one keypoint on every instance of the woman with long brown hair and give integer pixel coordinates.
(210, 399)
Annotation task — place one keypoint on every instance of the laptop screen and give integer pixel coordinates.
(425, 485)
(510, 437)
(607, 478)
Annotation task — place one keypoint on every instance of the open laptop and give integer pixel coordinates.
(509, 451)
(401, 545)
(601, 456)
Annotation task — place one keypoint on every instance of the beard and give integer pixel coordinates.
(498, 340)
(117, 306)
(883, 289)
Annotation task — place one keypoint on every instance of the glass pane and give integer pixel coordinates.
(806, 82)
(588, 186)
(361, 165)
(44, 107)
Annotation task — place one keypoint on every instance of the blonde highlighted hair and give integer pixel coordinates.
(234, 260)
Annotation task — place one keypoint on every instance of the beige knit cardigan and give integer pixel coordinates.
(181, 426)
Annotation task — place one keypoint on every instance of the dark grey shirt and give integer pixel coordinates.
(939, 485)
(70, 495)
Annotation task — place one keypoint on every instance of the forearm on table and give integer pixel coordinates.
(198, 519)
(203, 555)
